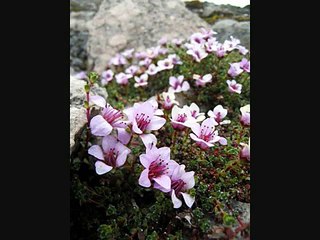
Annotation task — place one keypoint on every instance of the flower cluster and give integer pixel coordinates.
(116, 128)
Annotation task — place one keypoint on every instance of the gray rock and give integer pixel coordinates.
(243, 209)
(228, 27)
(81, 11)
(139, 24)
(84, 5)
(78, 117)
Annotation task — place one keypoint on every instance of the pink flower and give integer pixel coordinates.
(234, 69)
(231, 44)
(118, 60)
(205, 135)
(112, 154)
(168, 100)
(197, 38)
(181, 181)
(220, 50)
(242, 49)
(132, 70)
(245, 151)
(197, 52)
(164, 64)
(141, 81)
(195, 112)
(206, 34)
(107, 76)
(158, 166)
(175, 59)
(98, 100)
(123, 78)
(181, 117)
(109, 118)
(140, 55)
(245, 65)
(81, 75)
(202, 80)
(218, 114)
(234, 87)
(245, 115)
(143, 118)
(163, 41)
(152, 69)
(178, 85)
(146, 62)
(211, 45)
(177, 41)
(128, 53)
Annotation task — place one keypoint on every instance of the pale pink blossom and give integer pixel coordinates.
(132, 70)
(112, 154)
(245, 65)
(178, 85)
(235, 69)
(234, 87)
(206, 135)
(118, 60)
(152, 69)
(197, 52)
(245, 151)
(106, 77)
(218, 114)
(168, 100)
(128, 53)
(123, 78)
(165, 64)
(245, 115)
(141, 81)
(181, 117)
(202, 80)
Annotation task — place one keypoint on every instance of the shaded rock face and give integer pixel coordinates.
(139, 24)
(78, 117)
(81, 11)
(226, 20)
(227, 27)
(207, 9)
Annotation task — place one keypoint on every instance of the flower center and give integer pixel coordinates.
(112, 115)
(142, 121)
(157, 168)
(206, 133)
(182, 117)
(218, 117)
(177, 186)
(110, 157)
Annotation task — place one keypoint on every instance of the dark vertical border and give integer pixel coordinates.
(35, 110)
(284, 176)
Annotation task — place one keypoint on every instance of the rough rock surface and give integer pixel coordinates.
(81, 11)
(228, 27)
(77, 112)
(122, 24)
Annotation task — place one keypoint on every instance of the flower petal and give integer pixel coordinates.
(102, 168)
(223, 141)
(149, 140)
(99, 126)
(98, 100)
(96, 151)
(156, 123)
(123, 135)
(188, 199)
(176, 202)
(164, 181)
(108, 142)
(144, 178)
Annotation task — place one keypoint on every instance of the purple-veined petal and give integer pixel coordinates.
(96, 151)
(98, 100)
(99, 126)
(144, 178)
(163, 181)
(102, 168)
(123, 135)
